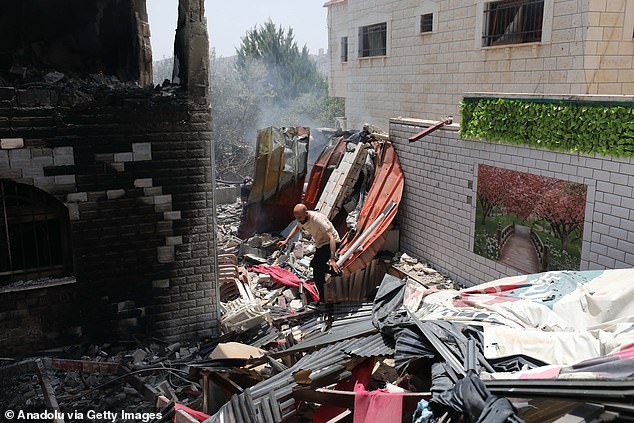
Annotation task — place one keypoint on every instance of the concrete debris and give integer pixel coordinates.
(395, 329)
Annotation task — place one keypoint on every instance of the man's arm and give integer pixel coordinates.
(289, 237)
(333, 251)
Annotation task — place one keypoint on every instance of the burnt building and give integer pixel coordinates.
(106, 182)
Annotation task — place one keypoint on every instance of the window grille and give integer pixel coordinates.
(373, 40)
(513, 22)
(427, 22)
(34, 234)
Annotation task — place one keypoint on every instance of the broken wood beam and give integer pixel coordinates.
(47, 389)
(430, 129)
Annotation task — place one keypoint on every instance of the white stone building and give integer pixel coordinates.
(417, 58)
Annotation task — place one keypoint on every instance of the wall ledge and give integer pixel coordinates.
(424, 123)
(30, 285)
(599, 98)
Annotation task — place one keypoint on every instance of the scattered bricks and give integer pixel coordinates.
(123, 157)
(114, 194)
(77, 196)
(11, 143)
(143, 183)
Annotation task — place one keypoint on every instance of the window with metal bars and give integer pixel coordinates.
(373, 40)
(344, 49)
(427, 22)
(34, 234)
(513, 22)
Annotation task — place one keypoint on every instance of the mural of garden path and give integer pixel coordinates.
(519, 253)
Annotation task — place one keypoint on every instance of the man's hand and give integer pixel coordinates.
(332, 263)
(282, 243)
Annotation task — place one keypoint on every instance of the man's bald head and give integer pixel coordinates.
(300, 212)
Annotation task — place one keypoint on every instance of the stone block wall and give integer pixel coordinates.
(134, 169)
(586, 47)
(437, 213)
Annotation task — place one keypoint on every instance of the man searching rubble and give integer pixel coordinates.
(326, 243)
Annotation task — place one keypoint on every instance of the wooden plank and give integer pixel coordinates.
(47, 389)
(345, 417)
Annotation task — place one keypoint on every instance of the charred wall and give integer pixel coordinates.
(76, 36)
(130, 166)
(134, 169)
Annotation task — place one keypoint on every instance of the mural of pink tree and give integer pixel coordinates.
(563, 207)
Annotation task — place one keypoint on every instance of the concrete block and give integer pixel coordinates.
(63, 160)
(77, 196)
(73, 211)
(143, 183)
(104, 157)
(138, 157)
(174, 240)
(162, 199)
(161, 284)
(153, 191)
(65, 179)
(113, 194)
(172, 215)
(11, 143)
(123, 157)
(141, 147)
(165, 254)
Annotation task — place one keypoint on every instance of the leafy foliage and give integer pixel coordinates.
(486, 246)
(562, 126)
(291, 71)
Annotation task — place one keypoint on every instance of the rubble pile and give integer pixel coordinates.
(49, 87)
(395, 340)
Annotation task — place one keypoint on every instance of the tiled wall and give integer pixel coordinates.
(437, 214)
(587, 48)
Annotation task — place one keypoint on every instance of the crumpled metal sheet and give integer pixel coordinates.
(278, 182)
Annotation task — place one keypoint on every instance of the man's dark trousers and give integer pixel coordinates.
(319, 263)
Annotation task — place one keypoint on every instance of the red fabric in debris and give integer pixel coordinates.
(286, 278)
(201, 417)
(361, 374)
(377, 406)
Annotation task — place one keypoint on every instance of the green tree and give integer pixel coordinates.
(291, 71)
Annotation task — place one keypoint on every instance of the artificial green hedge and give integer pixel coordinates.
(605, 128)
